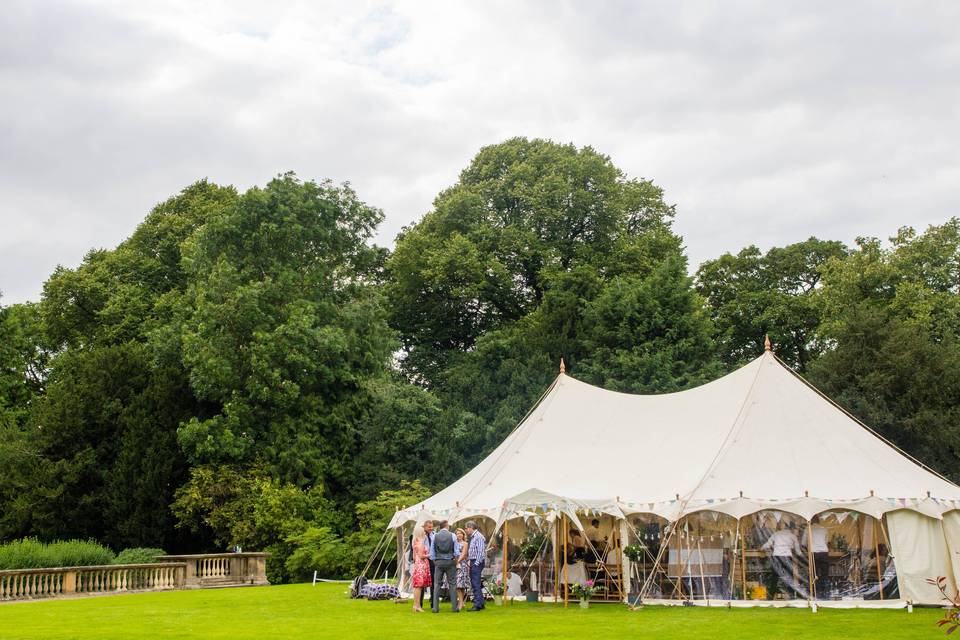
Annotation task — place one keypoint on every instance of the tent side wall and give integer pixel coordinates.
(921, 551)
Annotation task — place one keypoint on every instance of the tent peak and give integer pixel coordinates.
(766, 343)
(563, 367)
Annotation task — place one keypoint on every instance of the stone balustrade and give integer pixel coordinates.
(223, 569)
(171, 572)
(21, 584)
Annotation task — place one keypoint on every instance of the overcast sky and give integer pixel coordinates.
(765, 122)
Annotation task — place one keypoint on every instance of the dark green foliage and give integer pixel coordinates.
(892, 315)
(138, 555)
(751, 295)
(543, 251)
(318, 548)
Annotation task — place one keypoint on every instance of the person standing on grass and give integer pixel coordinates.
(463, 569)
(428, 532)
(476, 557)
(421, 567)
(444, 552)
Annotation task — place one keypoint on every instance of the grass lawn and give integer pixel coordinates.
(324, 611)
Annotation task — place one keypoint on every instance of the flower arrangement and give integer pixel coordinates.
(496, 587)
(584, 590)
(634, 552)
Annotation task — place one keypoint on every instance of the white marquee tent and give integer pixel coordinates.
(757, 443)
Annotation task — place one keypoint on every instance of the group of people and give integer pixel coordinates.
(448, 559)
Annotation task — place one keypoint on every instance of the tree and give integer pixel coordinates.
(279, 327)
(751, 295)
(891, 318)
(483, 257)
(542, 251)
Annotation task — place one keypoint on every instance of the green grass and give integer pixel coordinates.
(303, 611)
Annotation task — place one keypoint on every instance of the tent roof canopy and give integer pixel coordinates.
(757, 438)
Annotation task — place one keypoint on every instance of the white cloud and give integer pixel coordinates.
(765, 122)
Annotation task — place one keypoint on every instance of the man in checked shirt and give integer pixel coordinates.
(476, 558)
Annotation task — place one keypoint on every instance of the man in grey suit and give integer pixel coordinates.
(444, 551)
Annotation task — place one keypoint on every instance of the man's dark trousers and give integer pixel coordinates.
(444, 568)
(475, 571)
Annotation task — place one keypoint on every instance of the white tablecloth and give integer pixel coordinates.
(574, 573)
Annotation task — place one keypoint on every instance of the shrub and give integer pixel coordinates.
(30, 553)
(138, 555)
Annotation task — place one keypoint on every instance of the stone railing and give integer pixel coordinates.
(222, 569)
(21, 584)
(171, 572)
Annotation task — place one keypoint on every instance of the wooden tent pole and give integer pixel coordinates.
(401, 559)
(556, 563)
(733, 563)
(506, 556)
(811, 565)
(886, 541)
(859, 574)
(743, 561)
(876, 552)
(621, 528)
(566, 585)
(703, 580)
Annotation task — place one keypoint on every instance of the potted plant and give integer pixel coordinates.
(584, 591)
(634, 552)
(531, 546)
(496, 590)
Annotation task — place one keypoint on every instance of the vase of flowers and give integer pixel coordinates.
(584, 591)
(496, 590)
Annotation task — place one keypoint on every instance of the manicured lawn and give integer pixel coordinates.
(303, 611)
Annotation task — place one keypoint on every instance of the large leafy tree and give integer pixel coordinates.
(752, 294)
(279, 327)
(542, 251)
(100, 456)
(522, 211)
(892, 314)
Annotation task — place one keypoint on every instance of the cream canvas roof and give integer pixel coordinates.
(757, 438)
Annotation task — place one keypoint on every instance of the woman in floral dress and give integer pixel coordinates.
(463, 569)
(421, 566)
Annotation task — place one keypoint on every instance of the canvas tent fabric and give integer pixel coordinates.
(758, 438)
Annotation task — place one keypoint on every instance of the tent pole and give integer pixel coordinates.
(733, 562)
(859, 574)
(743, 561)
(703, 580)
(506, 556)
(811, 565)
(886, 541)
(401, 559)
(876, 552)
(566, 585)
(556, 563)
(620, 537)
